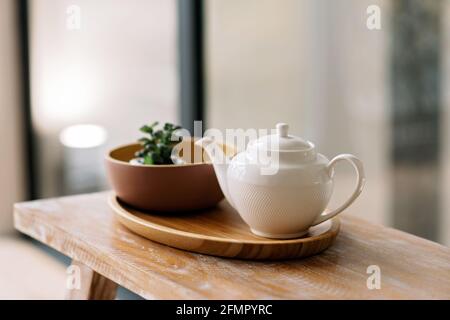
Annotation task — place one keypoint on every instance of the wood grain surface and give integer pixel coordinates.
(220, 231)
(84, 228)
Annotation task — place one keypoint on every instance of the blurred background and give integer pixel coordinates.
(81, 76)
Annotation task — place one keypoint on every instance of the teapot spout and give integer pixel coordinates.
(220, 163)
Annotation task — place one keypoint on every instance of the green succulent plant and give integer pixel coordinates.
(157, 145)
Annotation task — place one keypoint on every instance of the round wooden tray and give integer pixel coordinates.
(221, 232)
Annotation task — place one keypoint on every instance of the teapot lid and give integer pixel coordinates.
(282, 141)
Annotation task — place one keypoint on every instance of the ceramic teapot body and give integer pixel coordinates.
(280, 185)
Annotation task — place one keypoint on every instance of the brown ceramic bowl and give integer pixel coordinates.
(164, 188)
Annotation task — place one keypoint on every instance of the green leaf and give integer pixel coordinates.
(146, 129)
(148, 159)
(157, 158)
(149, 128)
(139, 154)
(150, 147)
(158, 134)
(144, 140)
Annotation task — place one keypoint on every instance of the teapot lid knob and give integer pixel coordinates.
(282, 129)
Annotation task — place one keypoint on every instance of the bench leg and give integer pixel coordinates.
(89, 285)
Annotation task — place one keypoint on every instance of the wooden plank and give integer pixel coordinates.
(92, 286)
(84, 228)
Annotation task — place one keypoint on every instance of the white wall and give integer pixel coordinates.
(255, 62)
(12, 186)
(315, 65)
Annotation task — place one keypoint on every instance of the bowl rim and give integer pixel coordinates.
(108, 157)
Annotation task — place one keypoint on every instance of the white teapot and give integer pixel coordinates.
(284, 198)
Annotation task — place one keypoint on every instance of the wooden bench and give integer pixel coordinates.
(106, 254)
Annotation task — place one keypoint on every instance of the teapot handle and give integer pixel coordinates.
(360, 179)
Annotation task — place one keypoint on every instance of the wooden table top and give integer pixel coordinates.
(84, 228)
